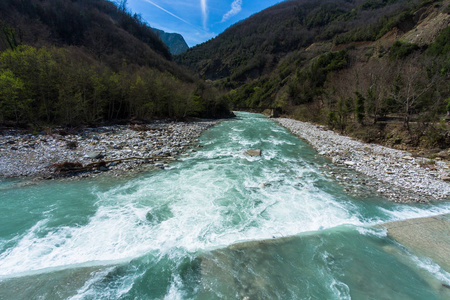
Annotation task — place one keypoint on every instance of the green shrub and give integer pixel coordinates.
(441, 46)
(401, 50)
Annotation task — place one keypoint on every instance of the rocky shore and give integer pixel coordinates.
(397, 174)
(96, 150)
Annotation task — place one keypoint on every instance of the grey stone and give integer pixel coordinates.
(336, 159)
(94, 155)
(445, 178)
(253, 152)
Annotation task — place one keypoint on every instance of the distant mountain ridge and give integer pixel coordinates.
(174, 41)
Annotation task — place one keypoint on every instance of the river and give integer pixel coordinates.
(164, 234)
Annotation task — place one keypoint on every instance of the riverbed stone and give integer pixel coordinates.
(445, 178)
(94, 155)
(253, 152)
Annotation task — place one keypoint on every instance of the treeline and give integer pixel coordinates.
(65, 86)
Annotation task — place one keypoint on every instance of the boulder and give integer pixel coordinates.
(94, 155)
(336, 159)
(253, 152)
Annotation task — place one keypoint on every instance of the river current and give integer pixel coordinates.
(166, 234)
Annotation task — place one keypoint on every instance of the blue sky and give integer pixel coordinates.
(197, 20)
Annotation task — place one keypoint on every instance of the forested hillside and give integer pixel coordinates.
(85, 61)
(377, 69)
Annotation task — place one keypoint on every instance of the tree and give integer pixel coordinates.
(359, 107)
(12, 105)
(9, 35)
(411, 83)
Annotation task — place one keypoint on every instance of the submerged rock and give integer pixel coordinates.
(62, 284)
(159, 214)
(253, 152)
(424, 236)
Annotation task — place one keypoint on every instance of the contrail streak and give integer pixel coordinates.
(165, 10)
(204, 12)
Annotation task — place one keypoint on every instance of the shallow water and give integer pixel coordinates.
(163, 234)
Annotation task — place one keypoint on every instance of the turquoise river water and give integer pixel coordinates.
(166, 234)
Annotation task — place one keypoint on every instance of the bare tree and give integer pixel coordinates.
(410, 84)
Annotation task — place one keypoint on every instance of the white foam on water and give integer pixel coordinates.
(175, 292)
(380, 232)
(85, 291)
(238, 129)
(216, 201)
(277, 142)
(340, 289)
(404, 212)
(247, 144)
(112, 235)
(206, 211)
(96, 288)
(431, 267)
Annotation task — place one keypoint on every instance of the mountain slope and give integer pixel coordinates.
(377, 69)
(71, 62)
(107, 31)
(174, 41)
(254, 46)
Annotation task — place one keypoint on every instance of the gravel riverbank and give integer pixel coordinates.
(398, 173)
(120, 147)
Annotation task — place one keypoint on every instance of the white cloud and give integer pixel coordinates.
(204, 12)
(236, 7)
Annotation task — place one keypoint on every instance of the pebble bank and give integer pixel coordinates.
(399, 173)
(129, 146)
